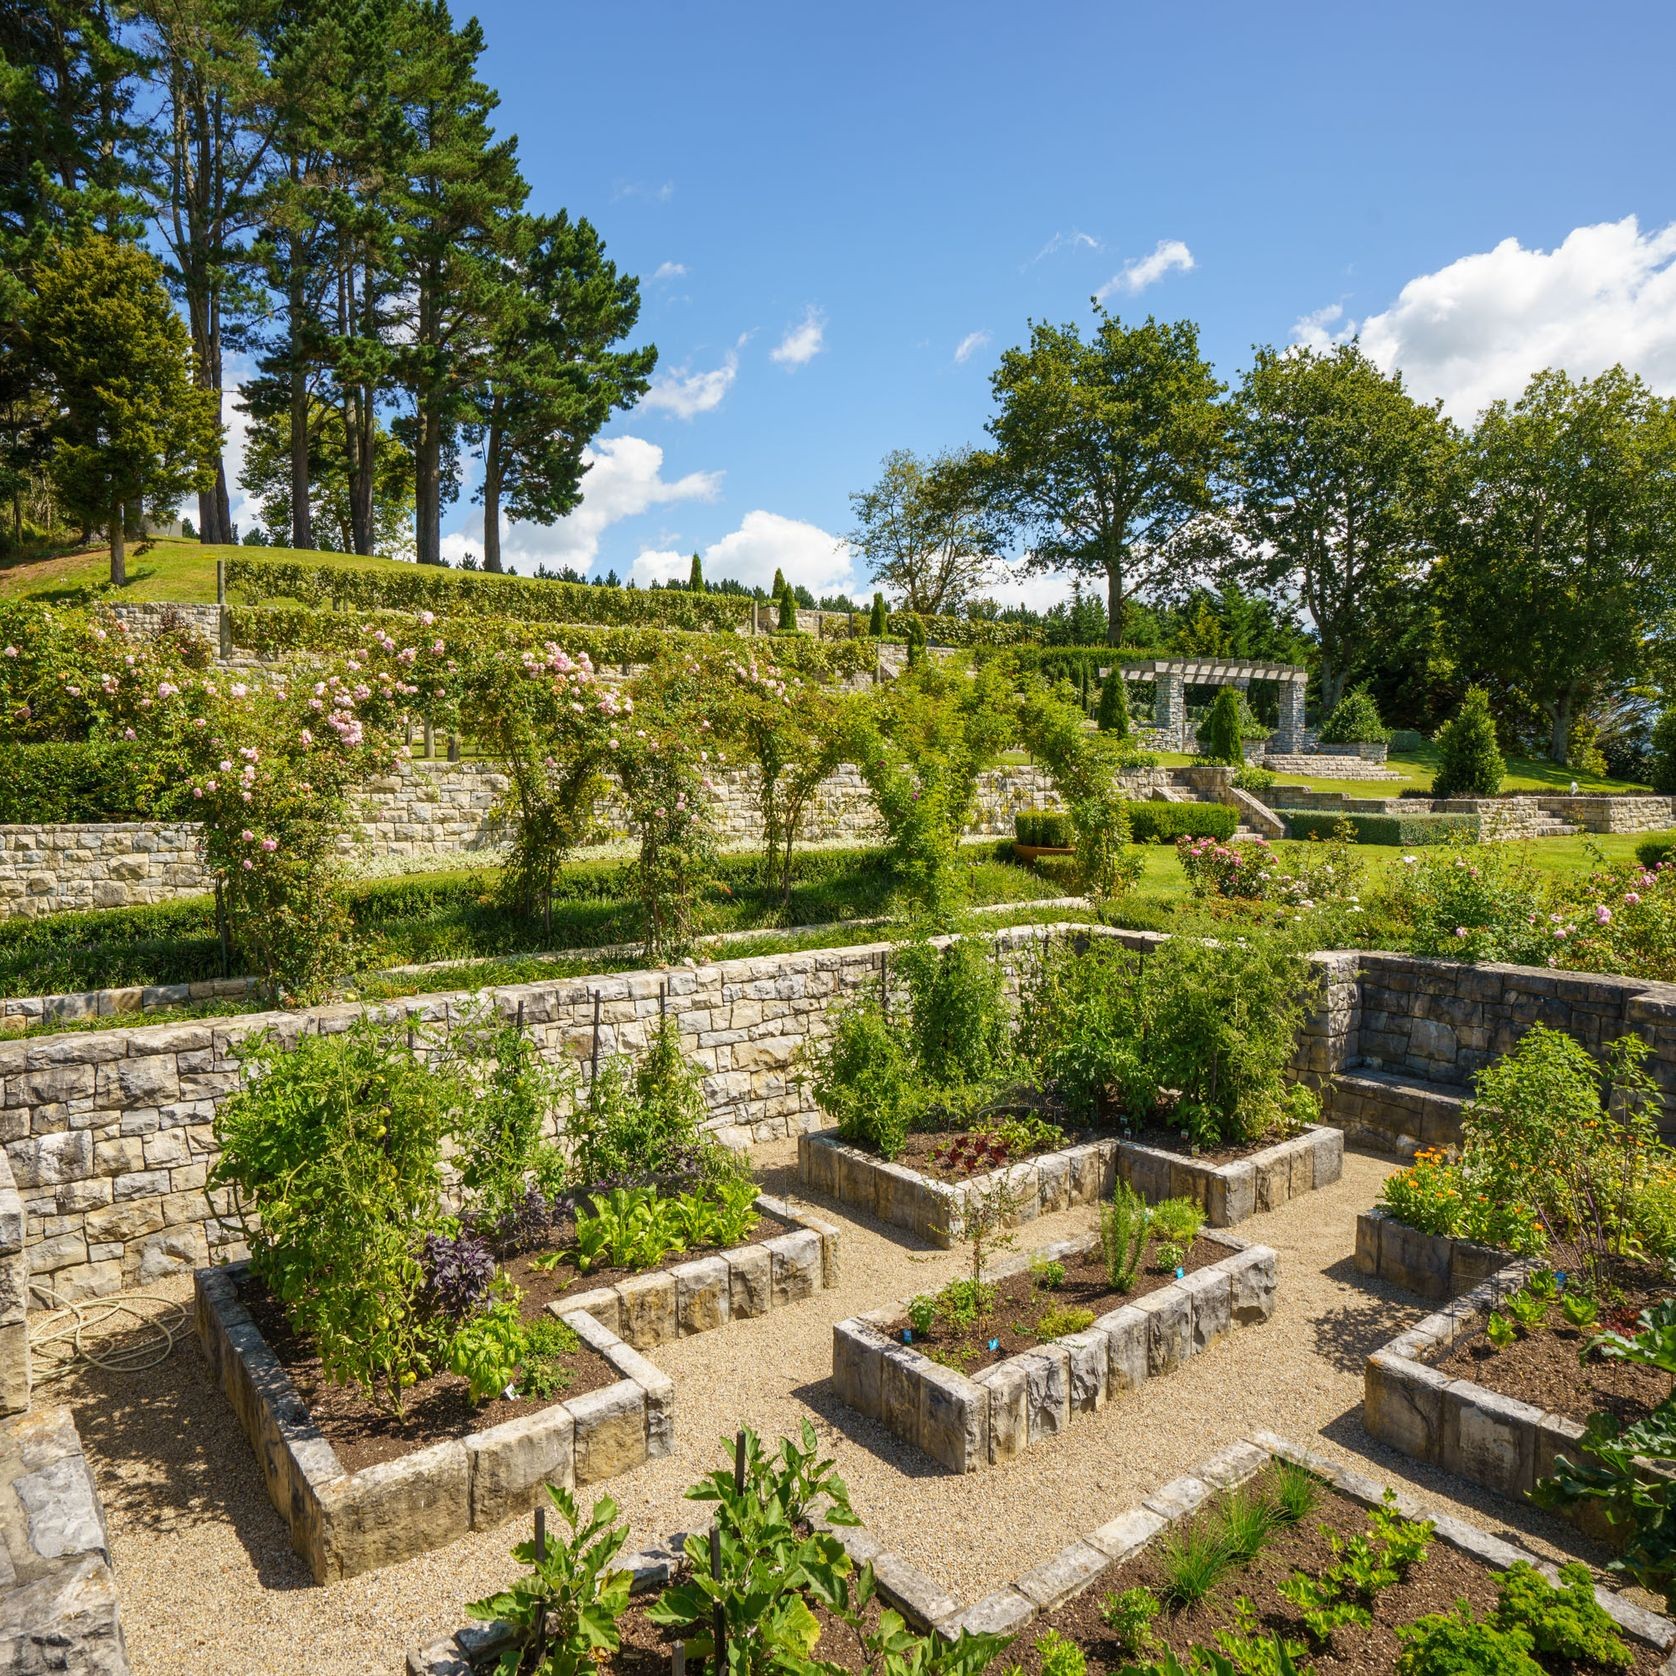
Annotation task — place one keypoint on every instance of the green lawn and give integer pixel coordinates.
(1418, 767)
(175, 572)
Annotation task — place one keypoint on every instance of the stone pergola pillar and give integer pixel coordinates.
(1169, 704)
(1289, 736)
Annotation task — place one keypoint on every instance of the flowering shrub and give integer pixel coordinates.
(1245, 869)
(1438, 1195)
(1468, 900)
(266, 764)
(1617, 919)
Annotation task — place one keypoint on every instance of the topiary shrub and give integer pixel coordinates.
(878, 622)
(788, 611)
(1048, 829)
(1664, 753)
(1469, 762)
(1221, 733)
(1114, 706)
(1355, 721)
(1163, 823)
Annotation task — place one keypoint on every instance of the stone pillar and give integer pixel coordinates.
(1289, 736)
(1169, 706)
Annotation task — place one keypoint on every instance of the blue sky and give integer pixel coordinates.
(842, 214)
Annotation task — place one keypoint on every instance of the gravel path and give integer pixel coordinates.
(208, 1583)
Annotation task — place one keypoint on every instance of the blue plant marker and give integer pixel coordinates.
(1181, 1273)
(907, 1335)
(995, 1344)
(1559, 1276)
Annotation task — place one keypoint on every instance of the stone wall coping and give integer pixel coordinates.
(345, 1523)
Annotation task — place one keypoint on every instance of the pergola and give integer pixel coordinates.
(1171, 677)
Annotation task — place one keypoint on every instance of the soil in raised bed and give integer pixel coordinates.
(1543, 1368)
(434, 1410)
(1172, 1140)
(541, 1287)
(1020, 1301)
(1444, 1577)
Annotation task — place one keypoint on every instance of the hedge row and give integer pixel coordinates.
(1377, 829)
(403, 587)
(964, 631)
(1163, 823)
(276, 631)
(1660, 846)
(1048, 829)
(71, 783)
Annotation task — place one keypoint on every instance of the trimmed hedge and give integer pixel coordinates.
(964, 631)
(70, 784)
(1656, 847)
(1163, 823)
(1376, 829)
(1407, 739)
(1048, 829)
(402, 587)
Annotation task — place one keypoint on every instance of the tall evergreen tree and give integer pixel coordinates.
(550, 376)
(695, 576)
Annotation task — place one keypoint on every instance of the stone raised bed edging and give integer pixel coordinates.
(969, 1423)
(650, 1309)
(345, 1523)
(1077, 1175)
(1478, 1434)
(1431, 1265)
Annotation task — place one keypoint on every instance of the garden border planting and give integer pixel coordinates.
(345, 1523)
(1478, 1434)
(968, 1423)
(1431, 1265)
(662, 1304)
(1076, 1175)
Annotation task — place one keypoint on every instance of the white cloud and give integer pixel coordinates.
(1040, 590)
(1073, 240)
(624, 478)
(1323, 328)
(802, 342)
(1141, 271)
(969, 346)
(763, 543)
(685, 393)
(659, 194)
(1477, 328)
(669, 270)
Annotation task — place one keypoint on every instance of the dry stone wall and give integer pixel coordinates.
(435, 814)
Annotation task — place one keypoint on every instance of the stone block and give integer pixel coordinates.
(1419, 1263)
(1370, 1225)
(1211, 1299)
(1009, 1427)
(1251, 1283)
(66, 1620)
(1120, 1537)
(857, 1350)
(510, 1463)
(392, 1510)
(1327, 1148)
(1230, 1194)
(1402, 1404)
(1126, 1331)
(1488, 1438)
(648, 1309)
(1169, 1339)
(610, 1431)
(1004, 1612)
(1088, 1354)
(795, 1266)
(1179, 1497)
(750, 1281)
(1273, 1170)
(1053, 1182)
(1055, 1580)
(703, 1295)
(953, 1418)
(899, 1390)
(1047, 1383)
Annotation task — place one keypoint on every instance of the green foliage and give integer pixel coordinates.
(1469, 761)
(640, 1120)
(1222, 732)
(865, 1076)
(922, 1313)
(1464, 1199)
(1248, 1521)
(1379, 829)
(958, 1017)
(1163, 823)
(1113, 714)
(1565, 1623)
(332, 1152)
(1060, 1319)
(1177, 1220)
(1125, 1228)
(1457, 1644)
(1483, 889)
(1296, 1491)
(1193, 1559)
(788, 611)
(486, 1350)
(1059, 1656)
(60, 782)
(1663, 774)
(877, 618)
(1659, 848)
(1355, 721)
(1129, 1615)
(1363, 1567)
(563, 1614)
(1045, 828)
(1047, 1274)
(637, 1227)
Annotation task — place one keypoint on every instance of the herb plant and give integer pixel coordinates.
(1125, 1228)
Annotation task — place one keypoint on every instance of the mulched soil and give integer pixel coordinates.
(1444, 1577)
(434, 1410)
(541, 1287)
(1172, 1140)
(1020, 1302)
(1543, 1368)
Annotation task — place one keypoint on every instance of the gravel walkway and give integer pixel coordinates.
(208, 1583)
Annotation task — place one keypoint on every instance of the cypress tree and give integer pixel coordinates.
(1219, 733)
(1469, 762)
(1114, 706)
(778, 585)
(788, 610)
(695, 577)
(878, 624)
(916, 642)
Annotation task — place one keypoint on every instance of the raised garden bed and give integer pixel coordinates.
(344, 1522)
(1440, 1393)
(1229, 1191)
(970, 1423)
(1431, 1265)
(650, 1309)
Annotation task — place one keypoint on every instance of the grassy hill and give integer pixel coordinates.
(176, 572)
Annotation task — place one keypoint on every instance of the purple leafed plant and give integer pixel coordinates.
(458, 1274)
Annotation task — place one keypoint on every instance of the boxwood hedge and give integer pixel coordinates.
(1377, 829)
(1163, 823)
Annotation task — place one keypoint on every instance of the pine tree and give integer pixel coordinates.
(778, 585)
(695, 576)
(1114, 706)
(1469, 761)
(878, 623)
(1220, 732)
(131, 427)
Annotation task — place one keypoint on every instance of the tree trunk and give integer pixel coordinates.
(1332, 688)
(302, 516)
(1560, 742)
(491, 499)
(119, 546)
(1114, 602)
(427, 484)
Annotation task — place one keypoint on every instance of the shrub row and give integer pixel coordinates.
(1163, 823)
(964, 631)
(71, 783)
(1656, 847)
(1377, 829)
(1049, 829)
(401, 587)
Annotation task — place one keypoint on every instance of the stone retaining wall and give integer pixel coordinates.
(14, 1297)
(1613, 814)
(109, 1132)
(1430, 1265)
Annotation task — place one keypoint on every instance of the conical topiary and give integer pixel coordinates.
(1114, 706)
(695, 576)
(788, 611)
(1355, 721)
(1469, 762)
(1220, 732)
(878, 624)
(916, 641)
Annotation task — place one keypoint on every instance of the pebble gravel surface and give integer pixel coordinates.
(209, 1586)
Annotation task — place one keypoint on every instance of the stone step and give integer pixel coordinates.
(1395, 1113)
